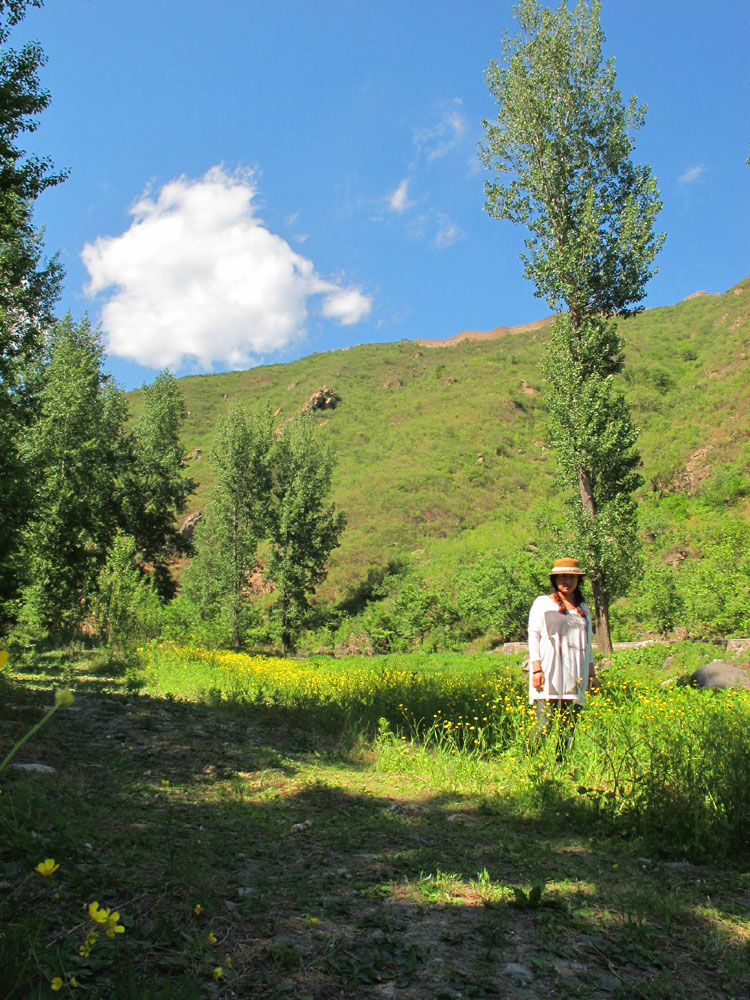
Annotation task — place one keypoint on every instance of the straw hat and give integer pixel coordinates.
(566, 566)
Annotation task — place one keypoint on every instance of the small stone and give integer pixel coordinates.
(35, 768)
(608, 982)
(644, 862)
(592, 942)
(517, 971)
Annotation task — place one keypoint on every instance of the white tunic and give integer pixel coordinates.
(562, 643)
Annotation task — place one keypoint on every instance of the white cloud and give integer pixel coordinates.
(398, 200)
(436, 141)
(448, 232)
(197, 277)
(347, 305)
(692, 174)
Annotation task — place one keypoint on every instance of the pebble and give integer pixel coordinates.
(608, 982)
(517, 971)
(594, 943)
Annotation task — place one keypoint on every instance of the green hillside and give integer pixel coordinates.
(442, 450)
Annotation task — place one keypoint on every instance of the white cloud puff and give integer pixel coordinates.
(437, 140)
(692, 174)
(398, 200)
(197, 278)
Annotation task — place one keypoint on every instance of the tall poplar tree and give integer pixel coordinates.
(74, 449)
(235, 519)
(304, 526)
(560, 149)
(29, 284)
(154, 488)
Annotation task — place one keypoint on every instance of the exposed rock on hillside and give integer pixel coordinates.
(323, 399)
(187, 527)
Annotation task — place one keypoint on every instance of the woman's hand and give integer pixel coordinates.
(537, 675)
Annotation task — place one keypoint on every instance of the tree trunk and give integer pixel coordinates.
(601, 609)
(601, 601)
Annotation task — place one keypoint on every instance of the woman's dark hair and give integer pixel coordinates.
(577, 597)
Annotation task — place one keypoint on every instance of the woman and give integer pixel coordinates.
(561, 667)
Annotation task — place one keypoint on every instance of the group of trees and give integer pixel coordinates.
(271, 491)
(90, 499)
(94, 476)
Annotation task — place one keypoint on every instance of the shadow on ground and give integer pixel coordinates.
(324, 877)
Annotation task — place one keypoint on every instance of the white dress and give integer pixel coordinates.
(562, 643)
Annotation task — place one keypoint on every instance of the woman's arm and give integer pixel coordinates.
(535, 636)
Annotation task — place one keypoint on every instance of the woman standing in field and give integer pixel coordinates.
(561, 667)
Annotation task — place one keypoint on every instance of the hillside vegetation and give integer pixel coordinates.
(442, 450)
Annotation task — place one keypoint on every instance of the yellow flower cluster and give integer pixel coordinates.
(109, 918)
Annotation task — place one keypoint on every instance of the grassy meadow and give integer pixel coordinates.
(369, 827)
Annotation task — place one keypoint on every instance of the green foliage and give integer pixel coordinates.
(529, 899)
(74, 450)
(563, 137)
(303, 526)
(235, 520)
(657, 602)
(125, 606)
(495, 592)
(155, 492)
(29, 285)
(716, 588)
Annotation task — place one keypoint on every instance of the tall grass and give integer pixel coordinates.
(669, 765)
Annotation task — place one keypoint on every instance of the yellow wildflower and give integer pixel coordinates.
(211, 937)
(112, 926)
(218, 972)
(197, 909)
(74, 982)
(47, 868)
(228, 961)
(97, 913)
(56, 984)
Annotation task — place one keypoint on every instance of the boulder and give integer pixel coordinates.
(720, 674)
(511, 647)
(323, 399)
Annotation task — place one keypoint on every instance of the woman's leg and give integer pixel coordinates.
(560, 714)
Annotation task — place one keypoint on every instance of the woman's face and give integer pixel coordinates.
(567, 583)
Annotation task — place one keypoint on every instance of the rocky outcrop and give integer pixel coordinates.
(323, 399)
(187, 527)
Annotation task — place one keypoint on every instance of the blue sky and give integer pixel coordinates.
(255, 181)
